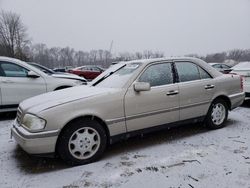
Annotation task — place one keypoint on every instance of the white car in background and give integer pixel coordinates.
(58, 74)
(243, 69)
(20, 81)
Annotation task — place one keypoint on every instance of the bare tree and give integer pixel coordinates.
(236, 54)
(67, 56)
(13, 36)
(217, 57)
(138, 55)
(93, 56)
(147, 54)
(107, 58)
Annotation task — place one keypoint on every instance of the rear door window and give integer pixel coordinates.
(203, 73)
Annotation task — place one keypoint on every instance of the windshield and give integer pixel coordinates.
(118, 78)
(43, 69)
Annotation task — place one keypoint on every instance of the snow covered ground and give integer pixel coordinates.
(189, 156)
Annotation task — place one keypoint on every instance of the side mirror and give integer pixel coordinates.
(142, 86)
(32, 74)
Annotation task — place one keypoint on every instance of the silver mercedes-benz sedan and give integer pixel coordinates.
(130, 98)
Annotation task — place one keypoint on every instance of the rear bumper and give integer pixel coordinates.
(237, 99)
(35, 143)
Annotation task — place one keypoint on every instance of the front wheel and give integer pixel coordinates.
(217, 114)
(82, 142)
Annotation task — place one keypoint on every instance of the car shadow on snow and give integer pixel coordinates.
(246, 103)
(36, 165)
(167, 136)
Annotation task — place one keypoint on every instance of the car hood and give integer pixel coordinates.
(49, 100)
(69, 76)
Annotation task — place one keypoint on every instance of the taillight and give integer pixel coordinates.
(241, 80)
(241, 83)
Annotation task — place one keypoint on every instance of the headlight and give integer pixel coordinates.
(33, 123)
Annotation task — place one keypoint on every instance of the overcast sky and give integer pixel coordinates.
(176, 27)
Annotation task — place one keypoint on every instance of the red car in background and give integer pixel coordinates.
(89, 72)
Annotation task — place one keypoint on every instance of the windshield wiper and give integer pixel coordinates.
(106, 76)
(103, 78)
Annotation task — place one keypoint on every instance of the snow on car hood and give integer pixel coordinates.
(55, 98)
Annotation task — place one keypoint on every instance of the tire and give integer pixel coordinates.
(217, 114)
(82, 142)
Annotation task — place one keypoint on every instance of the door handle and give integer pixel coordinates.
(7, 81)
(172, 92)
(209, 86)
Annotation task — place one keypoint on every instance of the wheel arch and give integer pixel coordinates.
(85, 117)
(225, 98)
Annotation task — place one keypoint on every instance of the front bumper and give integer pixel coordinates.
(35, 143)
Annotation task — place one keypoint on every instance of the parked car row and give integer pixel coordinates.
(20, 80)
(64, 69)
(58, 74)
(223, 68)
(89, 72)
(130, 98)
(242, 69)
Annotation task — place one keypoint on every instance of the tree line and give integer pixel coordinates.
(61, 57)
(237, 55)
(15, 42)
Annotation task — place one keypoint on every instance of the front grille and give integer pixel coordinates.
(19, 116)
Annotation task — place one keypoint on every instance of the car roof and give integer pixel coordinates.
(163, 59)
(22, 63)
(197, 61)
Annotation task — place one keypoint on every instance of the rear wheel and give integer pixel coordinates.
(82, 142)
(217, 114)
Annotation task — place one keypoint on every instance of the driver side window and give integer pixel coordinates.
(157, 75)
(13, 70)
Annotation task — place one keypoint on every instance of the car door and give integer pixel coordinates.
(159, 105)
(196, 88)
(86, 73)
(93, 72)
(16, 85)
